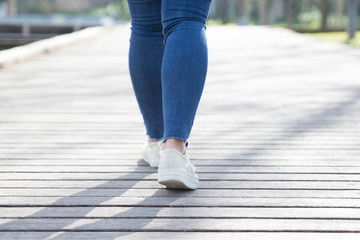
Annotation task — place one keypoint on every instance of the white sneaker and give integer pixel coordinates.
(176, 171)
(150, 153)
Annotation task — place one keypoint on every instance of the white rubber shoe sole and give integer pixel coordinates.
(177, 179)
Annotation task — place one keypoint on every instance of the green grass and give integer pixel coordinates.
(217, 22)
(337, 37)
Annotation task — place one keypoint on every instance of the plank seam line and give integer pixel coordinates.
(132, 172)
(181, 230)
(195, 217)
(154, 179)
(168, 206)
(165, 197)
(199, 188)
(145, 165)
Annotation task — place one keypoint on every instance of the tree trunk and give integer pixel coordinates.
(289, 12)
(239, 5)
(11, 7)
(270, 12)
(247, 10)
(262, 12)
(339, 12)
(305, 7)
(324, 6)
(352, 7)
(222, 9)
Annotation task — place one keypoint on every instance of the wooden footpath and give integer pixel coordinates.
(276, 143)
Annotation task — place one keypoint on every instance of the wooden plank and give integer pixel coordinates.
(217, 154)
(116, 132)
(176, 201)
(26, 127)
(159, 192)
(118, 176)
(127, 161)
(203, 184)
(170, 225)
(198, 162)
(205, 135)
(195, 145)
(180, 212)
(209, 169)
(135, 137)
(137, 156)
(178, 235)
(227, 150)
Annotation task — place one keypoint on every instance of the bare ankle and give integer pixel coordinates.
(178, 144)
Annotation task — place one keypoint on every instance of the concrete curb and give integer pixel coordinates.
(21, 53)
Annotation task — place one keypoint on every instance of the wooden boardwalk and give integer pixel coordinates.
(276, 143)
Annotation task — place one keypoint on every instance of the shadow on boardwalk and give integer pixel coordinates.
(84, 209)
(323, 119)
(332, 113)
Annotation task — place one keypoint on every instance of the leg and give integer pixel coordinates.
(145, 59)
(184, 65)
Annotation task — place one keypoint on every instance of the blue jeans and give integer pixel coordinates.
(168, 63)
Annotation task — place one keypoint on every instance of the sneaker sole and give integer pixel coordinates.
(177, 179)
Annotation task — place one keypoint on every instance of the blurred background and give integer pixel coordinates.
(25, 21)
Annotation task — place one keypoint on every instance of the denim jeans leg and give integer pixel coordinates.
(184, 64)
(145, 60)
(168, 80)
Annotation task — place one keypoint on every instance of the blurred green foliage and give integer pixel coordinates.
(115, 8)
(306, 14)
(337, 37)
